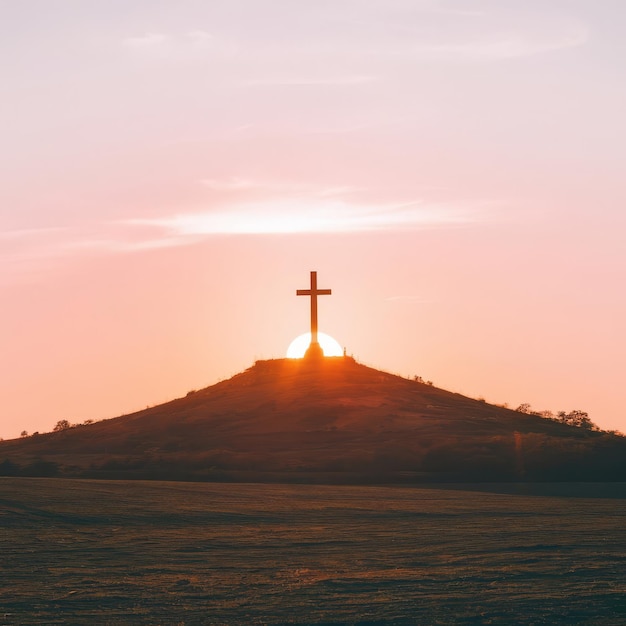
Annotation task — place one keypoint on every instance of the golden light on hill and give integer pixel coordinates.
(299, 345)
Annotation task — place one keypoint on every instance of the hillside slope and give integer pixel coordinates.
(332, 421)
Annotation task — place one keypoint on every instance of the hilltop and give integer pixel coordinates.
(328, 420)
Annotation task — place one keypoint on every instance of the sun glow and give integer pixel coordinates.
(298, 346)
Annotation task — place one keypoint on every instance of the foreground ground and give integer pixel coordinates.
(95, 552)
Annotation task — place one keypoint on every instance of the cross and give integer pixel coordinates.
(313, 292)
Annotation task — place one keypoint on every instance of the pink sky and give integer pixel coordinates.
(172, 171)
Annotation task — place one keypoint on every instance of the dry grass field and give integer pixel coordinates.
(98, 552)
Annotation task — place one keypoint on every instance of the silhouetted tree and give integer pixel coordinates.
(62, 425)
(24, 433)
(39, 467)
(577, 418)
(8, 468)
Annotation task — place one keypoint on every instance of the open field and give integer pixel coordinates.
(96, 552)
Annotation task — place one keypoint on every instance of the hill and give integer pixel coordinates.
(328, 420)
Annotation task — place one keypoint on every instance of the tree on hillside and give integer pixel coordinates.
(62, 425)
(24, 433)
(8, 468)
(576, 418)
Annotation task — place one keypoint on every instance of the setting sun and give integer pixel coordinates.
(298, 346)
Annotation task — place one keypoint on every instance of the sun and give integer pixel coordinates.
(298, 346)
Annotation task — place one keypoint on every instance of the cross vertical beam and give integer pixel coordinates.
(313, 292)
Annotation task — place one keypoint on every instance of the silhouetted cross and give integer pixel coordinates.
(313, 292)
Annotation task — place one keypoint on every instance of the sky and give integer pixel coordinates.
(172, 170)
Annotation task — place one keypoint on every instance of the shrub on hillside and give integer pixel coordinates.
(8, 468)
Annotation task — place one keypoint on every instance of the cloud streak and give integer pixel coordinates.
(148, 40)
(507, 46)
(236, 184)
(159, 39)
(246, 207)
(29, 233)
(298, 216)
(306, 53)
(326, 81)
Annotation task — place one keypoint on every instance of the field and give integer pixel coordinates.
(98, 552)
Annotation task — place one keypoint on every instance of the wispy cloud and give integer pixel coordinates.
(29, 233)
(230, 184)
(306, 53)
(506, 46)
(126, 244)
(156, 39)
(34, 248)
(30, 250)
(236, 184)
(189, 46)
(298, 215)
(147, 40)
(31, 243)
(324, 81)
(283, 208)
